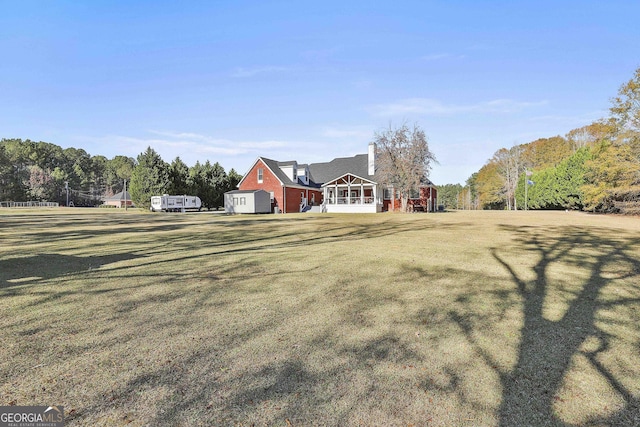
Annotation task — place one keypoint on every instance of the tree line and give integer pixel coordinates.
(593, 168)
(41, 171)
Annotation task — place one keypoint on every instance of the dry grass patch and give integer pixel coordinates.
(468, 318)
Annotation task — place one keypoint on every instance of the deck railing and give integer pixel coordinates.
(351, 201)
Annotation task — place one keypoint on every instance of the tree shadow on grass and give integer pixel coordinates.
(547, 348)
(24, 271)
(291, 383)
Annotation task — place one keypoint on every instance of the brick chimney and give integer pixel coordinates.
(372, 158)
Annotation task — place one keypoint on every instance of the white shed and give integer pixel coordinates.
(247, 201)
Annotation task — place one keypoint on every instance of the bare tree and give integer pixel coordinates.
(510, 166)
(586, 136)
(404, 159)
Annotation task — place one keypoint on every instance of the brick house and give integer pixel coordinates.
(346, 184)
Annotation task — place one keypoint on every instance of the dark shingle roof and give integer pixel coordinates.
(356, 165)
(322, 173)
(288, 163)
(275, 168)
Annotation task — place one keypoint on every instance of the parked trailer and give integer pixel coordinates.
(169, 203)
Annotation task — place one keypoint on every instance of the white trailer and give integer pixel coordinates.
(169, 203)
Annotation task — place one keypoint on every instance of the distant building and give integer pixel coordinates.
(119, 200)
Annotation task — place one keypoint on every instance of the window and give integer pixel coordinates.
(260, 175)
(387, 193)
(243, 200)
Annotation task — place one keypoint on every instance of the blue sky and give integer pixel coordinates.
(229, 81)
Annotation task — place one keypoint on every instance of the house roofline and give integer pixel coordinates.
(352, 174)
(275, 174)
(266, 165)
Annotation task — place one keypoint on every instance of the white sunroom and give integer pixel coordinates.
(352, 194)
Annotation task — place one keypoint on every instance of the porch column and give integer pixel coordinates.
(362, 194)
(431, 207)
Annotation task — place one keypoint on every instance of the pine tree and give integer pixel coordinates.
(149, 178)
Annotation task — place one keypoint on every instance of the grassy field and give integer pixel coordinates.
(462, 318)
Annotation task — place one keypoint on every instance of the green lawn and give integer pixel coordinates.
(461, 318)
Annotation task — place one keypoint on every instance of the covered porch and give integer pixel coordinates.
(351, 193)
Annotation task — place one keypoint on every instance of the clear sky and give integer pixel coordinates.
(229, 81)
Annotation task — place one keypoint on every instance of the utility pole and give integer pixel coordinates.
(527, 174)
(66, 187)
(125, 195)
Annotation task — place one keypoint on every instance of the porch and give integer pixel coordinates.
(351, 194)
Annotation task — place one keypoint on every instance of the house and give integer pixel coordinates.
(289, 186)
(119, 200)
(346, 184)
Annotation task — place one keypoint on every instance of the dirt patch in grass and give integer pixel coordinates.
(466, 318)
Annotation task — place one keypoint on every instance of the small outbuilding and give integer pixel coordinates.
(247, 201)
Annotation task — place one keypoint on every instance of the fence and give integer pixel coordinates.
(30, 204)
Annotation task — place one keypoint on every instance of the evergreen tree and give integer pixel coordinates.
(197, 181)
(212, 185)
(233, 179)
(5, 175)
(448, 195)
(218, 184)
(149, 178)
(559, 187)
(179, 177)
(117, 170)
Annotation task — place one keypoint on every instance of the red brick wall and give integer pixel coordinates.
(318, 198)
(293, 199)
(270, 182)
(423, 201)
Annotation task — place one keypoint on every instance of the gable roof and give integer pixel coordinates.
(426, 181)
(274, 167)
(348, 177)
(321, 173)
(328, 171)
